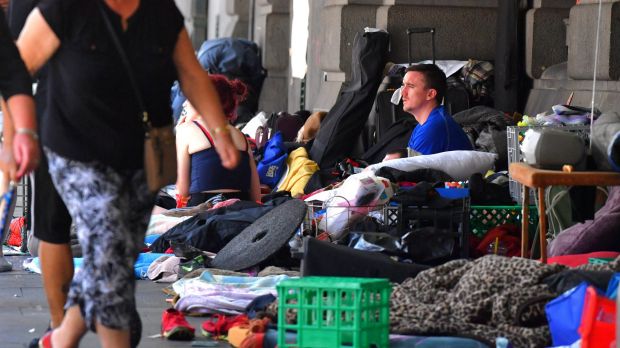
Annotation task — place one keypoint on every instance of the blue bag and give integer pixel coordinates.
(273, 165)
(564, 315)
(612, 287)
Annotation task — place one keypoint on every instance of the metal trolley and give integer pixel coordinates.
(447, 226)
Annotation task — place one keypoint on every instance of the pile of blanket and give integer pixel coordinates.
(490, 297)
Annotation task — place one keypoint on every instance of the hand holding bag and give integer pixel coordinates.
(160, 158)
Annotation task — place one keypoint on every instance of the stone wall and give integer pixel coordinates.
(272, 30)
(556, 31)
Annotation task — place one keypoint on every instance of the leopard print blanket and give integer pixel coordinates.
(490, 297)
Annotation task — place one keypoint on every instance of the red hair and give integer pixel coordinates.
(231, 93)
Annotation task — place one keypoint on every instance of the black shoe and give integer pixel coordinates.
(35, 341)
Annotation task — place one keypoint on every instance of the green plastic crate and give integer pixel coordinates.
(333, 312)
(485, 217)
(599, 260)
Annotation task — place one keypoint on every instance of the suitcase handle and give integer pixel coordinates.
(420, 30)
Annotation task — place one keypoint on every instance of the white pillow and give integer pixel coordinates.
(460, 165)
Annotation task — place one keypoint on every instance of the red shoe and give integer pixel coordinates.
(174, 326)
(46, 340)
(220, 324)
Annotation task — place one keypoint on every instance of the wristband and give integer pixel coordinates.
(27, 131)
(182, 201)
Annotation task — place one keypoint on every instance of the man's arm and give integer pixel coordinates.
(7, 162)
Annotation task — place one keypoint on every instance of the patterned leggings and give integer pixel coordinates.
(111, 210)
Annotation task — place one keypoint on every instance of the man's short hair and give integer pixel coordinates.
(435, 78)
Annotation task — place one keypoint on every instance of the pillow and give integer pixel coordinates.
(460, 165)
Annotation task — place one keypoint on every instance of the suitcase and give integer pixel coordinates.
(385, 114)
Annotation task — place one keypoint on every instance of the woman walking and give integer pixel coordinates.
(93, 137)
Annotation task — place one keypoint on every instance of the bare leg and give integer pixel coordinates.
(113, 338)
(70, 331)
(57, 272)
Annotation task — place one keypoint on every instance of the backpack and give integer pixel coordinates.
(236, 59)
(273, 165)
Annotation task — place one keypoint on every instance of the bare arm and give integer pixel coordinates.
(22, 134)
(19, 112)
(183, 162)
(37, 42)
(197, 86)
(7, 162)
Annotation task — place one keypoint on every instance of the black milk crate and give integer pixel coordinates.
(515, 155)
(451, 221)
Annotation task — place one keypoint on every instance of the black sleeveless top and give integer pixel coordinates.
(208, 174)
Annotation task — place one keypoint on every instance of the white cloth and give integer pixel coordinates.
(260, 120)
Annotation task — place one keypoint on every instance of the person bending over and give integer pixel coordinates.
(199, 173)
(424, 87)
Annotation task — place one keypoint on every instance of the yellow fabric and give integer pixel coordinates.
(300, 170)
(237, 334)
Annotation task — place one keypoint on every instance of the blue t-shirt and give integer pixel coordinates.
(438, 134)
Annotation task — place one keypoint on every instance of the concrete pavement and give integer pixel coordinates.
(24, 314)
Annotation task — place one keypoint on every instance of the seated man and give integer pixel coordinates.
(424, 87)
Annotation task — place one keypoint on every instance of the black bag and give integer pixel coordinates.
(395, 138)
(346, 119)
(320, 258)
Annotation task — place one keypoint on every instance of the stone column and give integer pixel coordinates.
(545, 36)
(333, 25)
(272, 33)
(228, 18)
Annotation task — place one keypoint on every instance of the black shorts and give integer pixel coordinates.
(50, 220)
